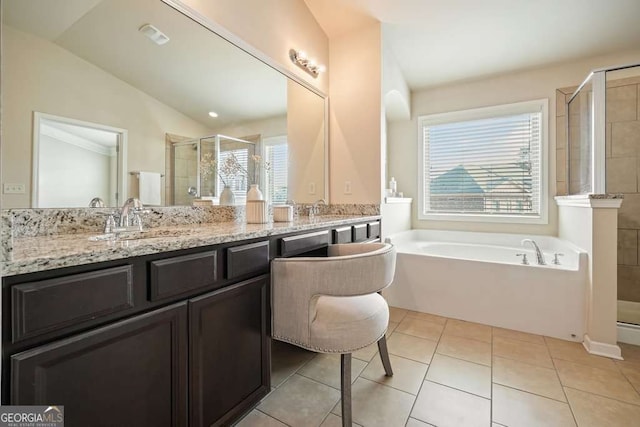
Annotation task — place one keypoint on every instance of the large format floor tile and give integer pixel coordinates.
(471, 330)
(428, 317)
(517, 335)
(256, 418)
(460, 374)
(575, 352)
(407, 374)
(449, 372)
(526, 377)
(414, 348)
(604, 382)
(286, 359)
(443, 406)
(516, 408)
(376, 405)
(397, 314)
(466, 349)
(333, 420)
(300, 402)
(420, 328)
(325, 368)
(591, 410)
(535, 354)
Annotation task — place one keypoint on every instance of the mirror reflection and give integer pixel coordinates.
(170, 106)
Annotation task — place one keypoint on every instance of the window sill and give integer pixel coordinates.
(503, 219)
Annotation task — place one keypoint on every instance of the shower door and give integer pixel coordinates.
(185, 172)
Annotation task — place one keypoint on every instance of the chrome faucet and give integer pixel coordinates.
(539, 255)
(134, 205)
(314, 209)
(96, 202)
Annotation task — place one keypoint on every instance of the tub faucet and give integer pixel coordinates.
(539, 255)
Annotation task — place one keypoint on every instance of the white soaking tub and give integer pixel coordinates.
(478, 277)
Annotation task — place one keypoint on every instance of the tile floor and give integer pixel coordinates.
(453, 373)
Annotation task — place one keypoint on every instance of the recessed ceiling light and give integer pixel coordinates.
(156, 36)
(213, 114)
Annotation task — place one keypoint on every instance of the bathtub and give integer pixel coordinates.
(478, 277)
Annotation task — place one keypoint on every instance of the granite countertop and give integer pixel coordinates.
(31, 254)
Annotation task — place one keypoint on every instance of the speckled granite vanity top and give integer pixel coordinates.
(31, 254)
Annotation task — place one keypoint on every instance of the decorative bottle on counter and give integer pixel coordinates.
(393, 186)
(226, 197)
(254, 193)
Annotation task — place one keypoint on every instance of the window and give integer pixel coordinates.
(276, 153)
(485, 164)
(238, 182)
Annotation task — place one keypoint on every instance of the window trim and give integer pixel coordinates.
(537, 105)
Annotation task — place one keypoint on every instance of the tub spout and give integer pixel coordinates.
(539, 255)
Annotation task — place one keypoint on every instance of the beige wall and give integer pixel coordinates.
(594, 230)
(273, 126)
(40, 76)
(272, 27)
(305, 138)
(508, 88)
(355, 123)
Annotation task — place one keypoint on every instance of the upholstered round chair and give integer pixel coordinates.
(332, 305)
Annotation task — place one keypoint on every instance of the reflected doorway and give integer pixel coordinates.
(75, 161)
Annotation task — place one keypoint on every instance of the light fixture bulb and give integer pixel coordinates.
(322, 68)
(302, 54)
(312, 63)
(213, 114)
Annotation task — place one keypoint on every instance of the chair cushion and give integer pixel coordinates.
(346, 324)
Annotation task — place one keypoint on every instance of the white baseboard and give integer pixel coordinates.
(602, 349)
(629, 333)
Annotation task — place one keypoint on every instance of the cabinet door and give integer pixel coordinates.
(131, 373)
(229, 352)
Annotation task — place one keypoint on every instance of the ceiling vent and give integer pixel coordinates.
(156, 36)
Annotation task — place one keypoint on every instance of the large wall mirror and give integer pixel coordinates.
(122, 93)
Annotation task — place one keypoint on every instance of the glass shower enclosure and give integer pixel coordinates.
(603, 156)
(194, 178)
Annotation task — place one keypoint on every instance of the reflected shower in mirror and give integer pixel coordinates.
(89, 62)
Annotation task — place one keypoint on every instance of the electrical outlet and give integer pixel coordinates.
(13, 188)
(347, 187)
(312, 188)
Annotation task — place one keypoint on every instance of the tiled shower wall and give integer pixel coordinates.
(623, 172)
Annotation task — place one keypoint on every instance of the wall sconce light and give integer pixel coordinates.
(300, 58)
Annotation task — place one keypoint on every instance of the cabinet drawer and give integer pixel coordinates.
(342, 235)
(373, 230)
(177, 275)
(245, 259)
(301, 243)
(359, 232)
(46, 305)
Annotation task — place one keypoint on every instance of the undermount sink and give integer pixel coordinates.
(137, 235)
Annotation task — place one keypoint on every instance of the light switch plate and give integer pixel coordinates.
(13, 188)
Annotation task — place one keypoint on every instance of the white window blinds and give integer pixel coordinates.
(277, 154)
(487, 166)
(237, 182)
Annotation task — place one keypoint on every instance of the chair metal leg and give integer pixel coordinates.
(345, 382)
(384, 356)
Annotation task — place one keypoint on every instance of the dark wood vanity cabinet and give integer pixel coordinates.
(229, 352)
(171, 339)
(130, 373)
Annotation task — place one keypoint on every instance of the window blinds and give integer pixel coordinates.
(487, 166)
(277, 155)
